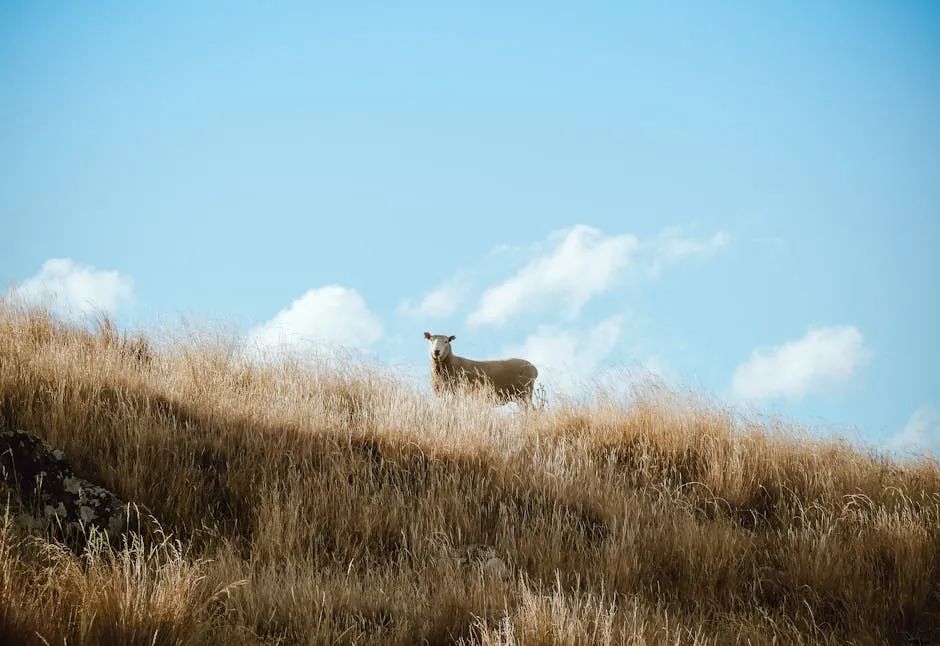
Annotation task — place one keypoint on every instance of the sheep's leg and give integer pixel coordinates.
(541, 401)
(524, 397)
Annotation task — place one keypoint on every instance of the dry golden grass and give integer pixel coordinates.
(312, 504)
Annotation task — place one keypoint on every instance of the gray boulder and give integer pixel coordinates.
(44, 494)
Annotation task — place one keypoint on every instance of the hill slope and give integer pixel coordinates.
(321, 505)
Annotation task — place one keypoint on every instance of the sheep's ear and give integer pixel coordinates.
(427, 335)
(452, 337)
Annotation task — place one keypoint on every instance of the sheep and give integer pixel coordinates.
(510, 379)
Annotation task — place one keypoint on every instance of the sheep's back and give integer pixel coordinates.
(509, 373)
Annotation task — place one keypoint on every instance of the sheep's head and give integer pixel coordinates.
(440, 345)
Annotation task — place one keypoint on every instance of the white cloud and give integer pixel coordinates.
(921, 434)
(580, 263)
(327, 316)
(440, 302)
(657, 367)
(74, 291)
(671, 247)
(569, 360)
(824, 357)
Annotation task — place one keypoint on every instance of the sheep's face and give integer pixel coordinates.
(439, 345)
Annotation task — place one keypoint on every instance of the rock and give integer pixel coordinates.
(44, 493)
(495, 568)
(483, 557)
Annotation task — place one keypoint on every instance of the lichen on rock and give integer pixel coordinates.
(44, 493)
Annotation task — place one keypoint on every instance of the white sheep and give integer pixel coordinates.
(510, 379)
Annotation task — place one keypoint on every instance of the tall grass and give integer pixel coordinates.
(337, 504)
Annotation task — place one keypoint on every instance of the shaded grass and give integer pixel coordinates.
(330, 503)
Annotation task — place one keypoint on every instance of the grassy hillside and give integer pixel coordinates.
(324, 505)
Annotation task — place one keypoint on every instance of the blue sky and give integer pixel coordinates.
(742, 197)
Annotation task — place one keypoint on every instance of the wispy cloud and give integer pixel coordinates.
(671, 247)
(440, 302)
(823, 357)
(921, 434)
(577, 264)
(75, 291)
(560, 274)
(326, 316)
(569, 360)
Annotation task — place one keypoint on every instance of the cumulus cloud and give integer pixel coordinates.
(824, 357)
(569, 360)
(440, 302)
(921, 435)
(327, 316)
(672, 247)
(578, 264)
(74, 291)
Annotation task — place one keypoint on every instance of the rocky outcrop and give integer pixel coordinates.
(45, 495)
